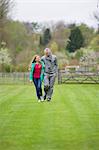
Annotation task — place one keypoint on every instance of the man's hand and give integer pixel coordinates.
(55, 74)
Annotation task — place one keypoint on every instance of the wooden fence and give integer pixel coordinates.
(77, 76)
(63, 77)
(14, 78)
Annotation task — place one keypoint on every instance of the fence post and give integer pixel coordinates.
(59, 76)
(24, 77)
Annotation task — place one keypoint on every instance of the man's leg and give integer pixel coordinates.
(51, 85)
(46, 86)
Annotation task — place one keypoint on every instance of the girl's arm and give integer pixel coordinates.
(31, 72)
(42, 71)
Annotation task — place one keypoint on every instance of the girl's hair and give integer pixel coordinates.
(32, 61)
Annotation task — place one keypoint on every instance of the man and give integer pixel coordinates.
(50, 73)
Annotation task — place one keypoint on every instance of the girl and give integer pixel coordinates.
(37, 75)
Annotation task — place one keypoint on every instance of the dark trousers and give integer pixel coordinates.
(48, 85)
(38, 86)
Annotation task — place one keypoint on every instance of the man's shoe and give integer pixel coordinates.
(48, 99)
(45, 97)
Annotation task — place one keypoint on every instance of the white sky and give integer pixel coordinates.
(55, 10)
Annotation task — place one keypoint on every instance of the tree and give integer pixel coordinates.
(60, 34)
(5, 6)
(19, 40)
(75, 40)
(45, 39)
(71, 25)
(4, 57)
(94, 44)
(54, 47)
(79, 54)
(87, 32)
(33, 27)
(89, 58)
(96, 16)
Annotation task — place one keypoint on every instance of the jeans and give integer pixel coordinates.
(38, 86)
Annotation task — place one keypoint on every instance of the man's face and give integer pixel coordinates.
(47, 52)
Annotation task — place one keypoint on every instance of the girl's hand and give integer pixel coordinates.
(30, 81)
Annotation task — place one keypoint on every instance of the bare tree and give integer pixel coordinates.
(96, 15)
(5, 7)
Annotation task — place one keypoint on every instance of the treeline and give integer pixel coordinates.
(19, 41)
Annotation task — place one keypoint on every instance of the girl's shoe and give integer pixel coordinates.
(42, 100)
(39, 100)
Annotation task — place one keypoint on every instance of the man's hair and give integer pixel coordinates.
(47, 49)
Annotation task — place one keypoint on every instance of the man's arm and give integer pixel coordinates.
(42, 59)
(56, 65)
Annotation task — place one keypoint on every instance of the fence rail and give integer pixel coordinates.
(77, 77)
(14, 78)
(63, 77)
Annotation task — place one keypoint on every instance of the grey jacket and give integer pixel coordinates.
(51, 66)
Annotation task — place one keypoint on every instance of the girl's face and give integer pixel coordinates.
(37, 58)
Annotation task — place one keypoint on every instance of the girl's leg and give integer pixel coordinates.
(36, 86)
(39, 87)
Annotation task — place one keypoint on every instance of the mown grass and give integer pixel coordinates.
(69, 122)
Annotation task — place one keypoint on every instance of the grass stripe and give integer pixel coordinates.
(70, 121)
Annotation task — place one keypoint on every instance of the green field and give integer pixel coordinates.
(69, 122)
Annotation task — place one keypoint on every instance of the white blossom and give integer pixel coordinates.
(4, 56)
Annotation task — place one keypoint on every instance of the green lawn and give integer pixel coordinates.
(69, 122)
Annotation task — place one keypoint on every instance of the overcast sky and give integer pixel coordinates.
(47, 10)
